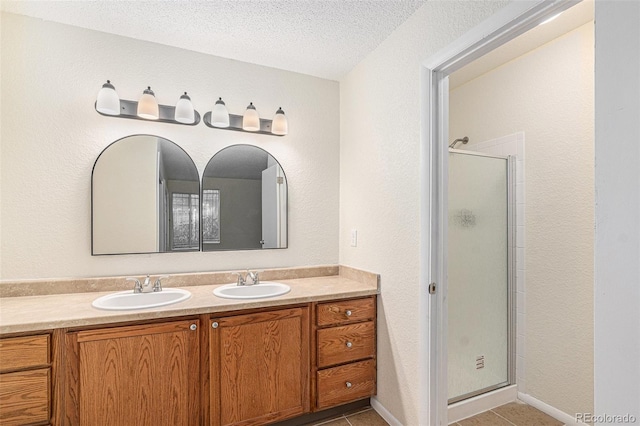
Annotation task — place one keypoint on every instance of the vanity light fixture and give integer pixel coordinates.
(147, 108)
(184, 110)
(279, 126)
(148, 105)
(220, 115)
(108, 101)
(251, 119)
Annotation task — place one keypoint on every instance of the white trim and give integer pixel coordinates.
(565, 418)
(384, 413)
(481, 403)
(428, 369)
(511, 21)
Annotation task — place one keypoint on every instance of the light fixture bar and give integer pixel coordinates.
(235, 124)
(129, 109)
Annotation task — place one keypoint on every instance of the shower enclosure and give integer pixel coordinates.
(481, 309)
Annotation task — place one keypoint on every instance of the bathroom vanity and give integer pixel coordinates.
(204, 361)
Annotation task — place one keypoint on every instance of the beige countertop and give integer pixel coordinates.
(49, 311)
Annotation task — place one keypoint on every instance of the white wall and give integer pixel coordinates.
(548, 93)
(379, 185)
(51, 136)
(617, 244)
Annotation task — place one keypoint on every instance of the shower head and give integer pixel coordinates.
(464, 141)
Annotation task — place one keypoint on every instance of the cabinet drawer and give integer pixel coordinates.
(24, 352)
(24, 397)
(339, 385)
(339, 345)
(345, 311)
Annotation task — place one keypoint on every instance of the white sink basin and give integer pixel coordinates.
(259, 291)
(127, 300)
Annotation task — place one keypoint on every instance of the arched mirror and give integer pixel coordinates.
(244, 201)
(145, 198)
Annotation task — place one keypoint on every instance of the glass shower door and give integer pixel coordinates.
(478, 298)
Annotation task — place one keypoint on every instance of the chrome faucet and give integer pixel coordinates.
(251, 278)
(145, 287)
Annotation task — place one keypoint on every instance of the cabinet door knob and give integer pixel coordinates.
(348, 384)
(193, 327)
(214, 325)
(348, 313)
(349, 344)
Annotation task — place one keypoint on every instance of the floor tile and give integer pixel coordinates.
(367, 418)
(485, 419)
(341, 421)
(525, 415)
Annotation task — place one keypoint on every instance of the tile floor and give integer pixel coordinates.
(366, 417)
(511, 414)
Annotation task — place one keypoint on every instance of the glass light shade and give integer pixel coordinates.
(184, 110)
(219, 114)
(148, 106)
(108, 101)
(251, 119)
(280, 126)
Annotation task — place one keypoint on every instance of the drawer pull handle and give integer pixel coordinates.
(349, 344)
(348, 313)
(214, 325)
(348, 384)
(193, 327)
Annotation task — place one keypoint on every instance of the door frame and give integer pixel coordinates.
(508, 23)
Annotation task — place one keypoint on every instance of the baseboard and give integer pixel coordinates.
(567, 419)
(384, 413)
(478, 404)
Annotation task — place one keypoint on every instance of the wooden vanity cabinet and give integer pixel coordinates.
(259, 366)
(344, 366)
(249, 367)
(134, 375)
(25, 380)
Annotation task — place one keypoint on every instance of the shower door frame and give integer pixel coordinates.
(511, 274)
(508, 23)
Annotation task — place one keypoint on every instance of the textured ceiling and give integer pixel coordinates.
(324, 38)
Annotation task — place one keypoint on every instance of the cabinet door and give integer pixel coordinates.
(139, 375)
(259, 367)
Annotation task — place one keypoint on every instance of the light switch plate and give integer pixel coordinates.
(354, 238)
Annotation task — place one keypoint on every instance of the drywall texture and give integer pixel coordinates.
(51, 136)
(617, 245)
(380, 186)
(549, 94)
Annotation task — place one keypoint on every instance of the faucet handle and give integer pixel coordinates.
(157, 286)
(254, 277)
(137, 288)
(241, 279)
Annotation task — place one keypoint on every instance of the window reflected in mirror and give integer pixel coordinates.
(211, 216)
